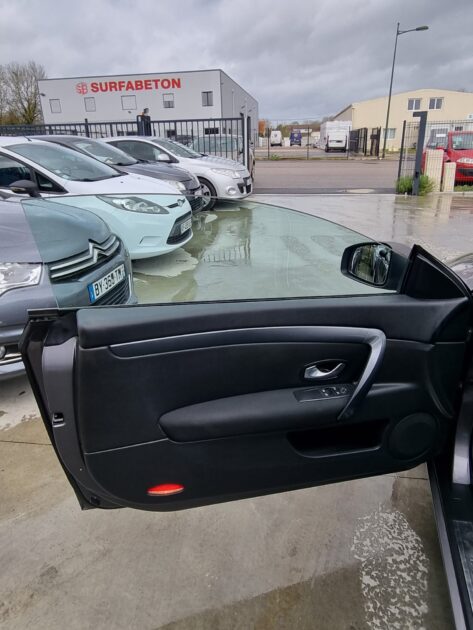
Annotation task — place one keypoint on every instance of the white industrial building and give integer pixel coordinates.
(199, 94)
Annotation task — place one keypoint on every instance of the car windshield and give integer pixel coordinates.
(462, 141)
(103, 152)
(66, 163)
(176, 148)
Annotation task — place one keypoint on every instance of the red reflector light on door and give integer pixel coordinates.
(165, 489)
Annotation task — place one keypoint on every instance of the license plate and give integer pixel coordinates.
(104, 285)
(186, 226)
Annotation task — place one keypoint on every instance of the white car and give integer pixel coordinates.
(148, 226)
(220, 178)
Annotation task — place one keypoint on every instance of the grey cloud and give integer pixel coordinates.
(299, 59)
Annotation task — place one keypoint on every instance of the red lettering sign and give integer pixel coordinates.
(127, 86)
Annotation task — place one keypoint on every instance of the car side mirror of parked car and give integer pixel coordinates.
(375, 264)
(25, 187)
(163, 157)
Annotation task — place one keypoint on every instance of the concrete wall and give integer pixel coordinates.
(236, 101)
(372, 113)
(186, 88)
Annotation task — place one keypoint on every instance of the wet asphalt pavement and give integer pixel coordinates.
(357, 555)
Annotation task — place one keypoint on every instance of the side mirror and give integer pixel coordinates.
(164, 157)
(25, 187)
(375, 264)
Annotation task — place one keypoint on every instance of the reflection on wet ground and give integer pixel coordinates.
(259, 250)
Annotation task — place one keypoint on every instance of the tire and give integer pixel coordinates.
(208, 190)
(326, 149)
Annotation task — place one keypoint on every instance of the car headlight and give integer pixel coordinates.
(172, 182)
(226, 171)
(16, 275)
(134, 204)
(465, 160)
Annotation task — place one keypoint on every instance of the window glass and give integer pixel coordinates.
(139, 150)
(103, 152)
(168, 101)
(413, 103)
(89, 103)
(64, 162)
(246, 251)
(129, 102)
(55, 105)
(391, 133)
(12, 171)
(176, 148)
(462, 141)
(45, 184)
(435, 103)
(207, 99)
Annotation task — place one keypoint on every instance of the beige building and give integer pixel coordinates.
(441, 105)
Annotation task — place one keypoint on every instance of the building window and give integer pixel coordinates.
(129, 102)
(55, 105)
(89, 103)
(207, 99)
(436, 103)
(413, 104)
(168, 100)
(391, 133)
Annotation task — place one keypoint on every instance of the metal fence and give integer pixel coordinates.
(363, 142)
(437, 135)
(225, 137)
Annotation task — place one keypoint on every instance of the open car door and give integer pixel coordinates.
(171, 406)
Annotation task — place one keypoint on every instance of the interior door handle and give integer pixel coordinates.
(317, 371)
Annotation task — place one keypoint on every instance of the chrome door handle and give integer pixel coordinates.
(316, 371)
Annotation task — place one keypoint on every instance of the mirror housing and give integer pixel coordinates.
(376, 264)
(25, 187)
(164, 157)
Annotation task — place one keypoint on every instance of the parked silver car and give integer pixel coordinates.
(52, 254)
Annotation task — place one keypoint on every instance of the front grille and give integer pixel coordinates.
(175, 235)
(12, 355)
(75, 266)
(244, 188)
(196, 203)
(118, 295)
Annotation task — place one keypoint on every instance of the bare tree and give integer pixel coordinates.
(19, 96)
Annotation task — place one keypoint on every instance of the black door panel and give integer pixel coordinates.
(214, 397)
(428, 320)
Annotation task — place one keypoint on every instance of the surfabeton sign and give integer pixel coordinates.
(136, 85)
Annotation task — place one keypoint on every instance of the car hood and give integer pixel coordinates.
(39, 231)
(158, 171)
(130, 183)
(210, 161)
(463, 266)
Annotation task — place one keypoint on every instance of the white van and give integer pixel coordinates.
(276, 139)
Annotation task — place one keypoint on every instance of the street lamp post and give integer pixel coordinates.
(398, 32)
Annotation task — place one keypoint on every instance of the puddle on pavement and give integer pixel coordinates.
(257, 250)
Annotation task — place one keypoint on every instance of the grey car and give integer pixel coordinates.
(53, 254)
(184, 181)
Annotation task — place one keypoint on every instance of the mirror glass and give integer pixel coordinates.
(370, 263)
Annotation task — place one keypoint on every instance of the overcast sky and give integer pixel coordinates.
(298, 58)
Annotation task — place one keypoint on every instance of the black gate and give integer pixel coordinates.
(375, 139)
(225, 137)
(358, 140)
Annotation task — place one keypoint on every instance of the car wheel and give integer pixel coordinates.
(208, 194)
(326, 149)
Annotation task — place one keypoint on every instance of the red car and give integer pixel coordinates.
(457, 147)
